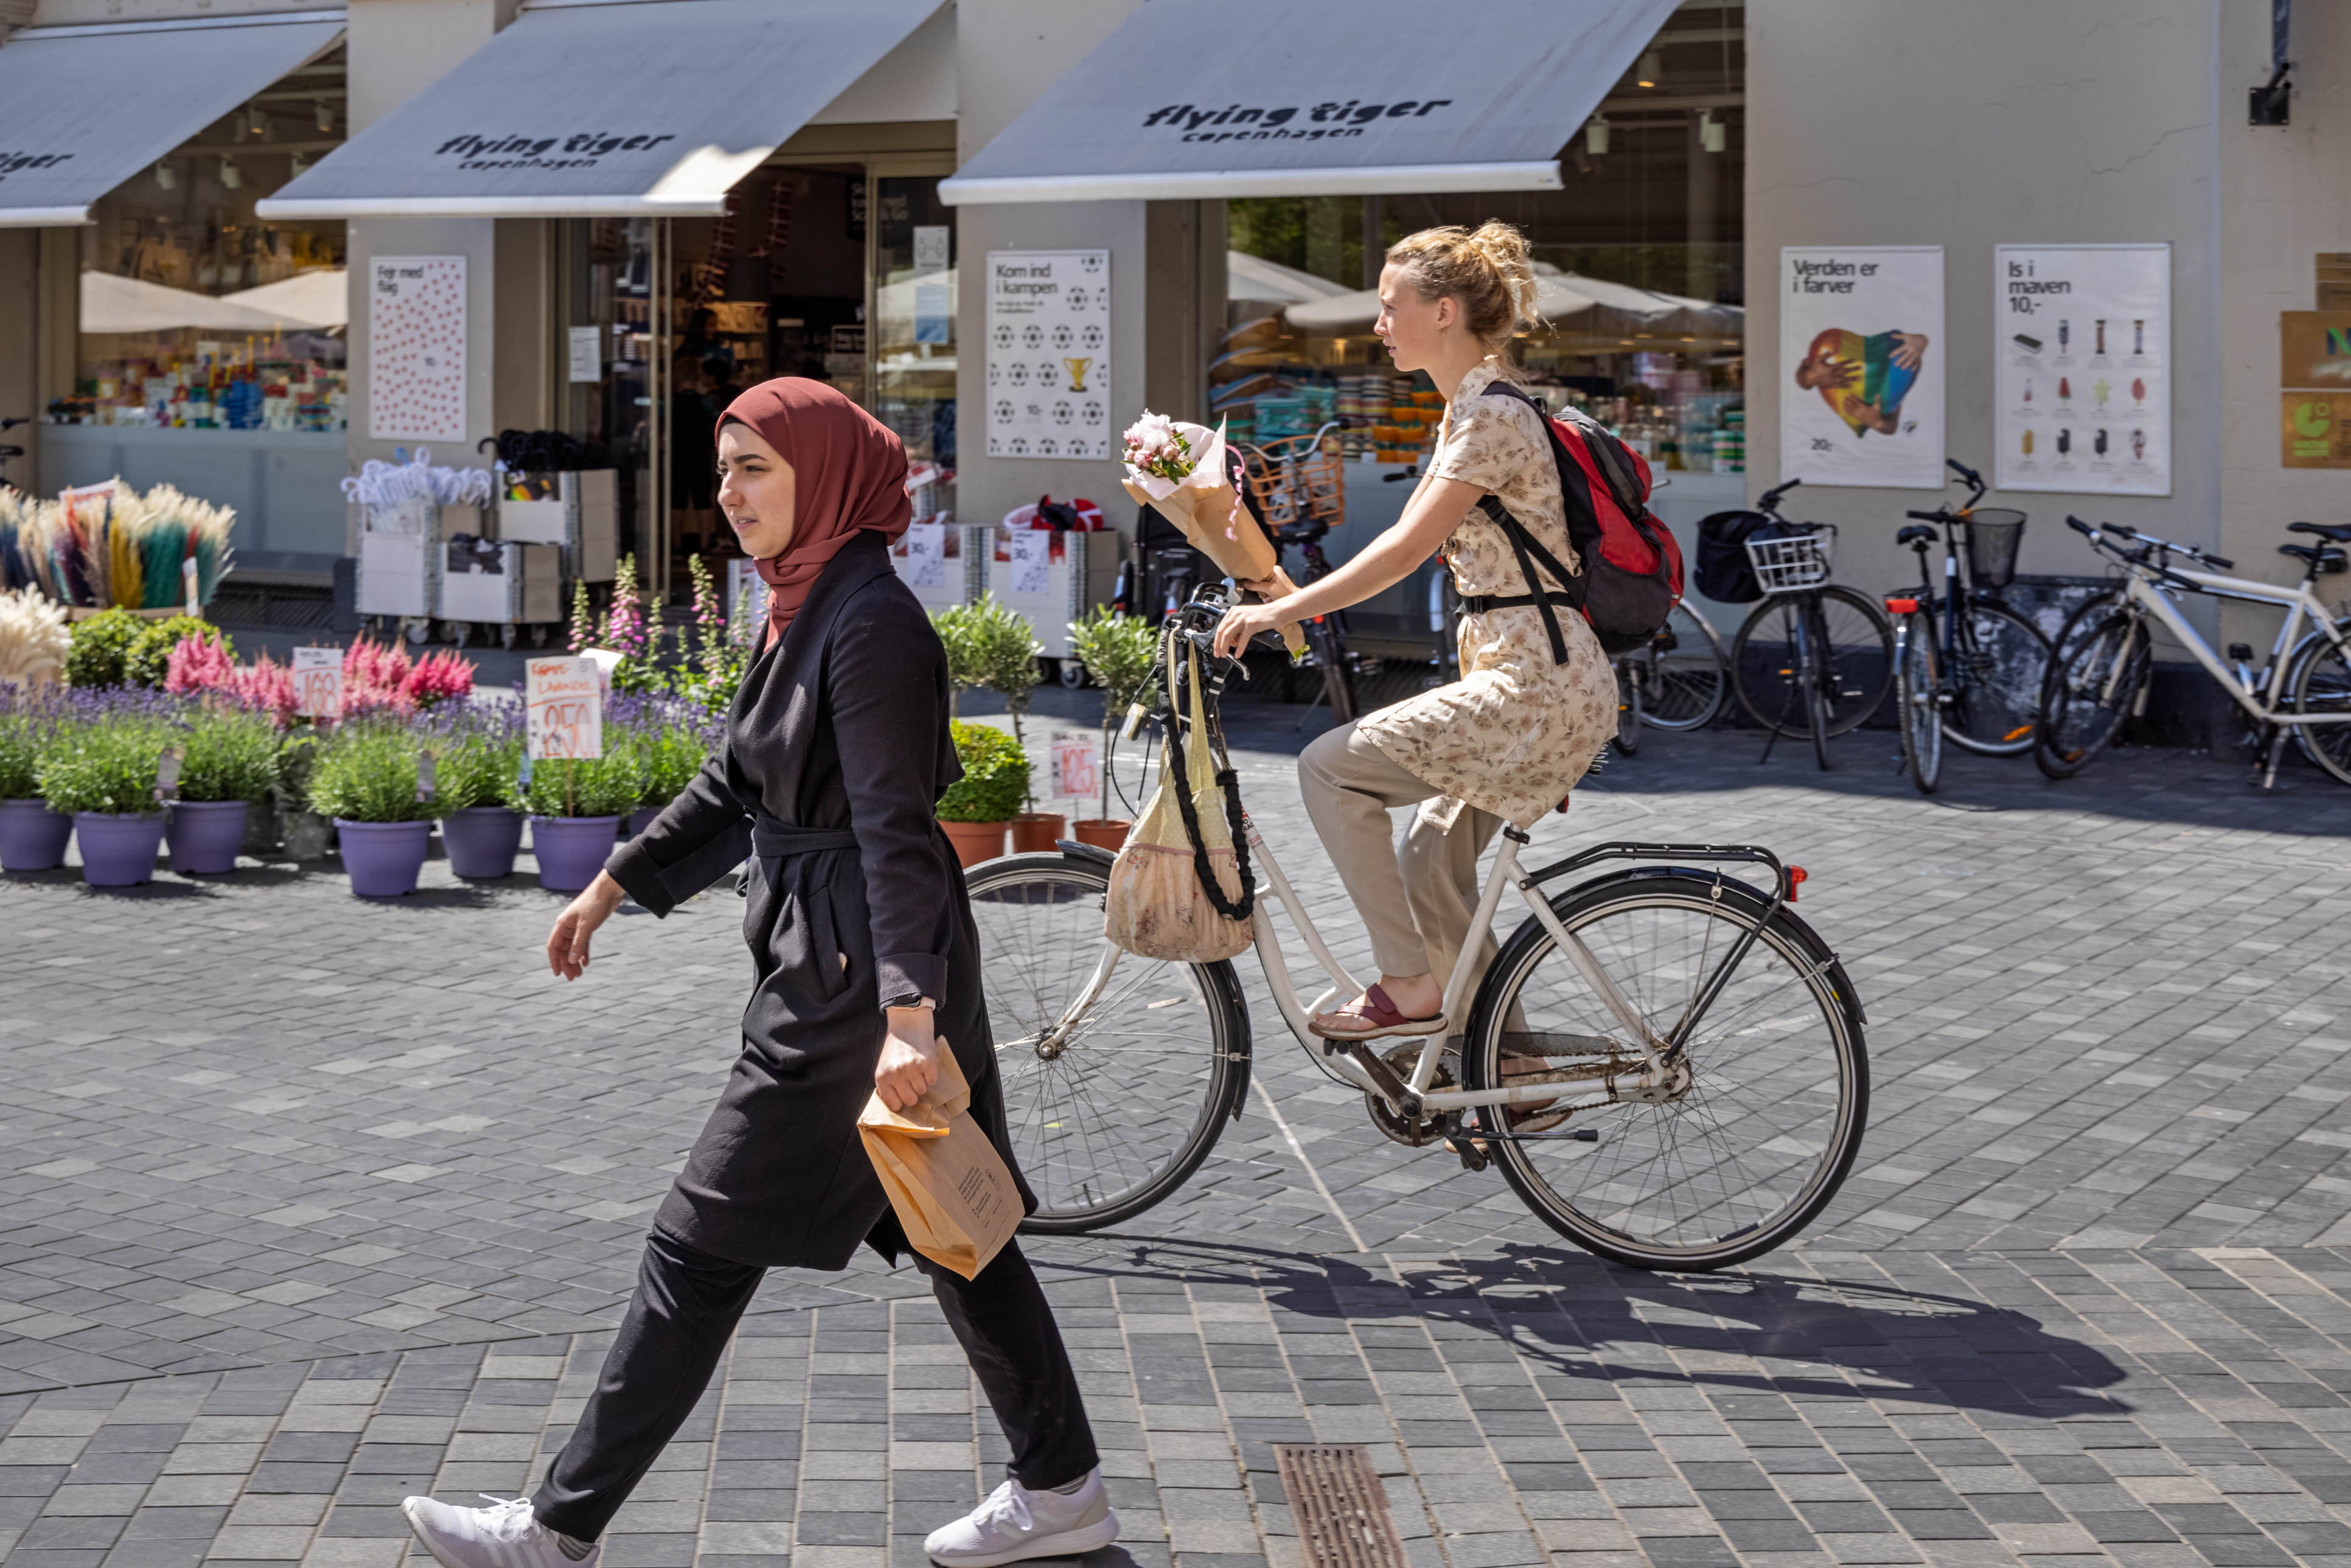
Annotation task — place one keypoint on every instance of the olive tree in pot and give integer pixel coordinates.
(32, 724)
(230, 762)
(1004, 650)
(365, 777)
(478, 751)
(104, 773)
(1119, 653)
(978, 806)
(576, 805)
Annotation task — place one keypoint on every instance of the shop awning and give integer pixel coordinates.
(606, 107)
(1316, 98)
(83, 109)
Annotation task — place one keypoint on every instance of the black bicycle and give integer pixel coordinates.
(1815, 657)
(1968, 668)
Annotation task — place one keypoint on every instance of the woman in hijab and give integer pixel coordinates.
(835, 754)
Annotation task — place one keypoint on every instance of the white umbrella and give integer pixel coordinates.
(1250, 277)
(111, 304)
(315, 299)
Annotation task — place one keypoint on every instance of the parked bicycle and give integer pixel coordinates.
(1303, 493)
(1968, 669)
(1815, 658)
(1677, 680)
(1666, 1062)
(2105, 655)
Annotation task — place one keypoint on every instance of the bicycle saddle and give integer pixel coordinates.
(2321, 557)
(8, 452)
(1914, 534)
(2338, 532)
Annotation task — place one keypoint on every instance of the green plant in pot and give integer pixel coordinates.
(1118, 651)
(105, 769)
(576, 804)
(1004, 647)
(366, 778)
(99, 645)
(32, 725)
(958, 634)
(978, 808)
(230, 761)
(478, 751)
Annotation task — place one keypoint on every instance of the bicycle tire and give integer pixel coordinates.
(1917, 694)
(1628, 707)
(1817, 679)
(1987, 713)
(1089, 1176)
(1689, 679)
(2098, 671)
(1755, 1119)
(2321, 683)
(1860, 638)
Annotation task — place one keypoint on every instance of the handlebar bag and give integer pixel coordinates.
(1725, 572)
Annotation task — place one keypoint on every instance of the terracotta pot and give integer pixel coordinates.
(975, 841)
(1103, 832)
(1036, 831)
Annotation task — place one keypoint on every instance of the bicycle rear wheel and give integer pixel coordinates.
(2322, 684)
(2000, 661)
(1860, 642)
(1816, 681)
(1766, 1124)
(1113, 1111)
(1915, 693)
(1687, 681)
(1330, 650)
(1629, 677)
(2097, 678)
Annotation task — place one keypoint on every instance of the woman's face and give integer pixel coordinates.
(1414, 328)
(755, 491)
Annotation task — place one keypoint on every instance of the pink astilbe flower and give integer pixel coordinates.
(375, 678)
(199, 664)
(267, 686)
(439, 678)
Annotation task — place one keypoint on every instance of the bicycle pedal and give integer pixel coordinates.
(1473, 1158)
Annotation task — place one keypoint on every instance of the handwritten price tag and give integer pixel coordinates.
(1077, 768)
(563, 700)
(318, 683)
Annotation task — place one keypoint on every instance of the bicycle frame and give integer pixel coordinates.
(2298, 602)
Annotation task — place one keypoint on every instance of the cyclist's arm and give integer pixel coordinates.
(1436, 509)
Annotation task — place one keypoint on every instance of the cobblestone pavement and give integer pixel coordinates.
(311, 1203)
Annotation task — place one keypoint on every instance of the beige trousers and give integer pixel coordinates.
(1416, 898)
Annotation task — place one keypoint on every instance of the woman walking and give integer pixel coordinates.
(835, 753)
(1504, 743)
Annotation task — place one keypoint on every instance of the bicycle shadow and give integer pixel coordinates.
(1593, 1322)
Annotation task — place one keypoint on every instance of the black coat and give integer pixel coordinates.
(840, 726)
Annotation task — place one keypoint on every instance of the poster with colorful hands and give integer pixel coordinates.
(416, 347)
(1861, 399)
(2082, 350)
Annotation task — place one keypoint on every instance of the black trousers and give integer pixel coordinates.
(685, 1309)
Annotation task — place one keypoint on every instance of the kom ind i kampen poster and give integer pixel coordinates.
(1861, 365)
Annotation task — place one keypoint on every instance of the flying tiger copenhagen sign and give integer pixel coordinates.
(1235, 122)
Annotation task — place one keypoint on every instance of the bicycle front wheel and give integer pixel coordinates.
(1999, 662)
(1687, 681)
(1915, 693)
(1859, 641)
(1762, 1128)
(2097, 678)
(1113, 1109)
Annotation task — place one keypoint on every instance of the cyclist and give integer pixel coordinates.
(1504, 743)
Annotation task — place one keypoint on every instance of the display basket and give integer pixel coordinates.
(1786, 562)
(1296, 478)
(1993, 535)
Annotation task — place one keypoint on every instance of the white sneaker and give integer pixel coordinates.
(504, 1535)
(1015, 1523)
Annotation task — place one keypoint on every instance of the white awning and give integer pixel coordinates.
(606, 107)
(83, 109)
(1316, 98)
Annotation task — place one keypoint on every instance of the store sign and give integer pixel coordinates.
(1861, 388)
(1234, 122)
(1048, 354)
(2315, 369)
(2082, 356)
(582, 149)
(416, 347)
(563, 701)
(2314, 428)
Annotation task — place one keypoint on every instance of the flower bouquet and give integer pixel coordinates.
(1181, 470)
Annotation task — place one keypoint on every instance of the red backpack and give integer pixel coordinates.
(1632, 575)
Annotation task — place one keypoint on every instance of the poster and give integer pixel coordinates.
(416, 347)
(2082, 388)
(2315, 376)
(1862, 355)
(1048, 353)
(563, 702)
(318, 683)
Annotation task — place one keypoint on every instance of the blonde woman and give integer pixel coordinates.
(1507, 741)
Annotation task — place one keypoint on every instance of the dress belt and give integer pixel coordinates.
(774, 838)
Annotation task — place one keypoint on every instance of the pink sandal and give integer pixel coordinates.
(1381, 1014)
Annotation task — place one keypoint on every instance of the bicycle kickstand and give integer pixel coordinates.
(2274, 752)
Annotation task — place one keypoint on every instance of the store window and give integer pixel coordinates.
(192, 314)
(915, 331)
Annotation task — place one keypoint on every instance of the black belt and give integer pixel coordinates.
(772, 838)
(1478, 604)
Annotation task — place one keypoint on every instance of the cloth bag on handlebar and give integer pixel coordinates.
(1160, 904)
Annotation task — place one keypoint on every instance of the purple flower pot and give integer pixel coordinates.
(384, 858)
(119, 851)
(570, 850)
(32, 837)
(642, 818)
(206, 835)
(482, 841)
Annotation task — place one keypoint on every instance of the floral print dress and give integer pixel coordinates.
(1516, 732)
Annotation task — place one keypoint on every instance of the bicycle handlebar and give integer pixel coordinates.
(2147, 542)
(1928, 516)
(1770, 498)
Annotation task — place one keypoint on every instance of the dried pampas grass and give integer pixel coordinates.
(32, 640)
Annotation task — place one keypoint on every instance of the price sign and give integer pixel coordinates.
(563, 700)
(1031, 554)
(318, 683)
(927, 555)
(1077, 763)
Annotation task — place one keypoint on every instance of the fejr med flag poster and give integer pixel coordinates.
(416, 347)
(1861, 365)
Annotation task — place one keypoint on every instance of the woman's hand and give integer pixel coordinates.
(1243, 622)
(910, 1058)
(567, 945)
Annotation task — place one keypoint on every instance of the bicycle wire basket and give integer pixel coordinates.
(1993, 535)
(1293, 478)
(1785, 562)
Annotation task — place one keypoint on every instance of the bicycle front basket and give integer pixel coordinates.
(1993, 535)
(1786, 561)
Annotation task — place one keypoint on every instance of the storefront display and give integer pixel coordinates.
(2083, 398)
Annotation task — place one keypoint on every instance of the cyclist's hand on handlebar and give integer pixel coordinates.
(1244, 622)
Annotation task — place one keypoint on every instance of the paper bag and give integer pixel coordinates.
(952, 1191)
(1214, 519)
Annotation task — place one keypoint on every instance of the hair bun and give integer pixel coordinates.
(1487, 269)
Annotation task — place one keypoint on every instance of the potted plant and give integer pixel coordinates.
(1118, 651)
(32, 836)
(674, 737)
(364, 777)
(230, 762)
(103, 771)
(978, 806)
(1005, 649)
(965, 669)
(575, 807)
(477, 755)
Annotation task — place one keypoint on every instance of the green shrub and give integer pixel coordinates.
(232, 755)
(107, 765)
(1119, 652)
(477, 752)
(958, 634)
(366, 772)
(149, 658)
(995, 782)
(31, 726)
(612, 785)
(99, 646)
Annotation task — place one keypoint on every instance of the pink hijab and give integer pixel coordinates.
(850, 473)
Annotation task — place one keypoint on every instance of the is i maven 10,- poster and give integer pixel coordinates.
(2083, 390)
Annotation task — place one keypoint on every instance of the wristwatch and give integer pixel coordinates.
(910, 999)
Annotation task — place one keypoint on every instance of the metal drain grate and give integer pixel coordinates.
(1340, 1506)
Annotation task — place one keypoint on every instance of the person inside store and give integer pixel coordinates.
(718, 381)
(693, 458)
(835, 754)
(1507, 741)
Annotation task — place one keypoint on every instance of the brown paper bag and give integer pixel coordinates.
(1214, 520)
(952, 1191)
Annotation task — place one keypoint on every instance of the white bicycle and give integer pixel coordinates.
(1667, 1063)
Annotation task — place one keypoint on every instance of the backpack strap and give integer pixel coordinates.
(1574, 490)
(1524, 545)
